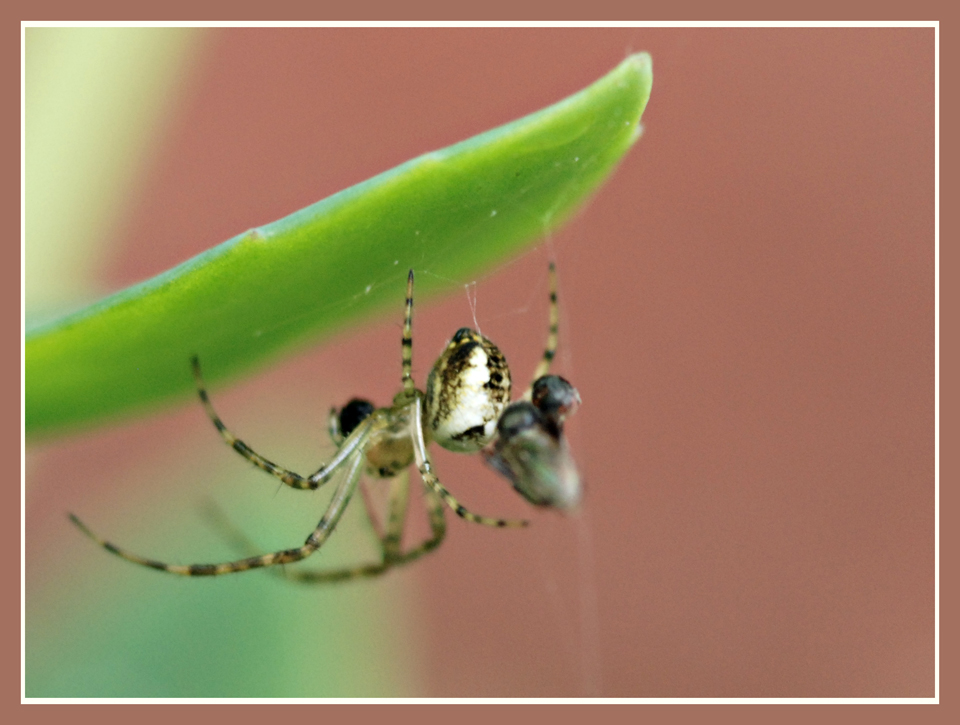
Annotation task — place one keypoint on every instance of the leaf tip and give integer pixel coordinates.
(641, 61)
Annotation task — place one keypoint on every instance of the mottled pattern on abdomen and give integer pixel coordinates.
(467, 390)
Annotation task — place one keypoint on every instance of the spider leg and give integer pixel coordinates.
(316, 539)
(392, 537)
(553, 333)
(431, 481)
(397, 497)
(406, 344)
(389, 541)
(369, 505)
(392, 554)
(438, 528)
(232, 534)
(239, 541)
(333, 427)
(290, 478)
(353, 443)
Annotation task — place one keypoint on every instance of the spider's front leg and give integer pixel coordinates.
(286, 476)
(553, 332)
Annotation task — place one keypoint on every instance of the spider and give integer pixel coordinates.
(465, 408)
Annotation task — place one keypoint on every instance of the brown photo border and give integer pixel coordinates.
(426, 11)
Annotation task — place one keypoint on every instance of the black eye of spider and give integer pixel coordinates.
(352, 415)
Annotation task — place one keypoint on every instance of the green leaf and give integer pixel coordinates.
(458, 212)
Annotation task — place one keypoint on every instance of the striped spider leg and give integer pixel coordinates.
(467, 391)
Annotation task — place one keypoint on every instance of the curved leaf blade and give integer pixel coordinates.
(459, 211)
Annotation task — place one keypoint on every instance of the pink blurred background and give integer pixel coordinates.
(747, 311)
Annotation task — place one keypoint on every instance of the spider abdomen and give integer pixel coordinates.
(467, 390)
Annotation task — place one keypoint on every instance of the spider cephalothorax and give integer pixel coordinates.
(465, 408)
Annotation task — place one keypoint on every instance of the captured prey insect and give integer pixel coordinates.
(465, 408)
(530, 450)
